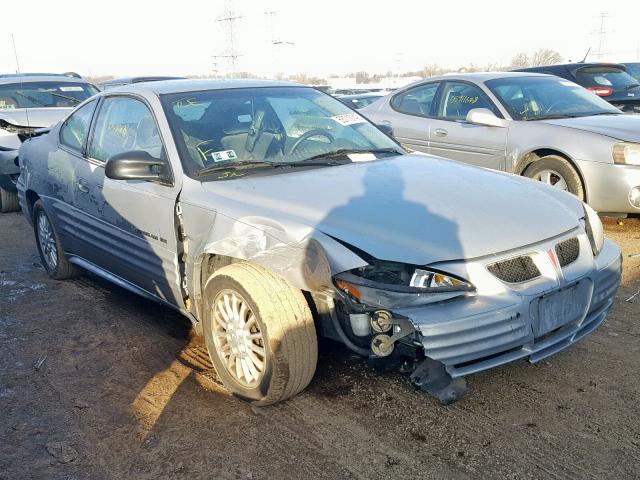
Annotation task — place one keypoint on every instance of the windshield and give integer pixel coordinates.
(536, 98)
(44, 94)
(604, 76)
(278, 125)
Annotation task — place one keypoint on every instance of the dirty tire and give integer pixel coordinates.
(286, 324)
(8, 201)
(63, 269)
(563, 167)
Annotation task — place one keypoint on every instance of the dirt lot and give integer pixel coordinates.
(98, 383)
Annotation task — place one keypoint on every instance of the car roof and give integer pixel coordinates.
(478, 76)
(40, 77)
(140, 79)
(163, 87)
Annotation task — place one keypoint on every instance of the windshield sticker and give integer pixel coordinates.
(348, 119)
(361, 157)
(72, 89)
(223, 155)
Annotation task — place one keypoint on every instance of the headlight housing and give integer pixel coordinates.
(626, 153)
(593, 228)
(397, 285)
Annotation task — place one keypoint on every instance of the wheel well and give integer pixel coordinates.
(535, 155)
(32, 197)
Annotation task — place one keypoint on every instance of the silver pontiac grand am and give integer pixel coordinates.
(269, 213)
(539, 126)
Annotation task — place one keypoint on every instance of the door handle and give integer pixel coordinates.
(83, 186)
(441, 132)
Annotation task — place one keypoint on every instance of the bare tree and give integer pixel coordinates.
(539, 58)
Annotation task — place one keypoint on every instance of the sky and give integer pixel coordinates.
(122, 38)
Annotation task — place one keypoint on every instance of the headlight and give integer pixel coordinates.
(625, 153)
(593, 227)
(396, 285)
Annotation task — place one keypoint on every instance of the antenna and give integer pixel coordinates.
(585, 56)
(15, 52)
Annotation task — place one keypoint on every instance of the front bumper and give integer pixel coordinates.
(608, 186)
(497, 326)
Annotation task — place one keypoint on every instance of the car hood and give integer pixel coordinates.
(34, 117)
(412, 208)
(622, 127)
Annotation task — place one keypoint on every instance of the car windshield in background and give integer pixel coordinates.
(268, 126)
(537, 98)
(44, 94)
(605, 76)
(633, 69)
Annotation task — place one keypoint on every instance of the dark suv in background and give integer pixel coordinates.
(633, 69)
(607, 80)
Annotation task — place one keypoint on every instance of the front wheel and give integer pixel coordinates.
(49, 246)
(558, 173)
(260, 334)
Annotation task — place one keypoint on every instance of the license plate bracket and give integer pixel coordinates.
(562, 307)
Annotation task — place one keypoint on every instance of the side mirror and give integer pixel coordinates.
(484, 116)
(385, 128)
(137, 165)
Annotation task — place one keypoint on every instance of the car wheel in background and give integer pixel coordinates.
(260, 334)
(51, 251)
(8, 201)
(557, 172)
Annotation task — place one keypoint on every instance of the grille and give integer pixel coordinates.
(515, 270)
(568, 251)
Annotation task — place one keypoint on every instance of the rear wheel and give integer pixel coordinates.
(8, 201)
(49, 246)
(260, 334)
(557, 172)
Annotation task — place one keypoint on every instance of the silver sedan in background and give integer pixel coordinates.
(539, 126)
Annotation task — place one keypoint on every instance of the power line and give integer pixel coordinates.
(602, 32)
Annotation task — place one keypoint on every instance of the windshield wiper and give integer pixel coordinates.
(632, 85)
(344, 152)
(74, 100)
(553, 117)
(234, 166)
(31, 99)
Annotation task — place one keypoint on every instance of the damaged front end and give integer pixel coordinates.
(370, 297)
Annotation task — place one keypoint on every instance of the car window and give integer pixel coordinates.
(459, 98)
(604, 76)
(124, 124)
(264, 124)
(416, 101)
(45, 94)
(75, 129)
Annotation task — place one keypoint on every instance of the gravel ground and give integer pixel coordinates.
(98, 383)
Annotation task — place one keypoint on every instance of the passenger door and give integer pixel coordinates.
(128, 227)
(410, 114)
(453, 137)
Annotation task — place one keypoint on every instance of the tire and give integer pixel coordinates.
(559, 170)
(51, 248)
(283, 327)
(8, 201)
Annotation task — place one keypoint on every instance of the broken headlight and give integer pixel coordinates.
(397, 285)
(593, 228)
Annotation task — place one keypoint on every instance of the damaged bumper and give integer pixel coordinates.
(532, 320)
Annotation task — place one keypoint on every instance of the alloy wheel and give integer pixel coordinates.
(47, 241)
(553, 178)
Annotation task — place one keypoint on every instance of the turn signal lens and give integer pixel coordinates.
(350, 289)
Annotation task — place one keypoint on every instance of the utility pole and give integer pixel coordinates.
(229, 18)
(274, 41)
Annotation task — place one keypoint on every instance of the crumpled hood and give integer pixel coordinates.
(623, 127)
(38, 117)
(412, 208)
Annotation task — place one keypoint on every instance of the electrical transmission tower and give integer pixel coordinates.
(601, 32)
(229, 18)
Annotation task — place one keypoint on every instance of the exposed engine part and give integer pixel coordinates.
(360, 324)
(381, 321)
(382, 345)
(432, 377)
(335, 322)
